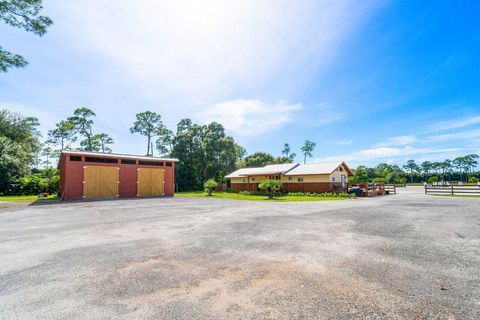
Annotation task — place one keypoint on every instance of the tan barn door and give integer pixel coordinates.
(150, 182)
(100, 182)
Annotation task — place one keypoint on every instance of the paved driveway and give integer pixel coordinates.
(407, 256)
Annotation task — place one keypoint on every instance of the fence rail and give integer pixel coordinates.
(391, 188)
(452, 190)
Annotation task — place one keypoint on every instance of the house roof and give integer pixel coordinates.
(117, 155)
(318, 168)
(269, 169)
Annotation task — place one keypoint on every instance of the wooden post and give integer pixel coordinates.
(452, 190)
(425, 189)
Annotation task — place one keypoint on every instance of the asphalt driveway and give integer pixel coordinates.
(407, 256)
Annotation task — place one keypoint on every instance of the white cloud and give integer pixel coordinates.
(250, 117)
(461, 135)
(322, 114)
(395, 154)
(399, 141)
(188, 54)
(343, 142)
(454, 124)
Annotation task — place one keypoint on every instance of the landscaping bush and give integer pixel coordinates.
(209, 185)
(323, 194)
(46, 181)
(271, 187)
(252, 193)
(31, 185)
(432, 179)
(473, 180)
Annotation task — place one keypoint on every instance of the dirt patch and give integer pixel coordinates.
(276, 289)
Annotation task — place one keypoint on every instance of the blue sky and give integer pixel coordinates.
(368, 81)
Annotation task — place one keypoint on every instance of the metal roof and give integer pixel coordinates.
(259, 171)
(117, 155)
(318, 168)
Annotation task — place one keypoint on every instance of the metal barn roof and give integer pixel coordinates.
(267, 170)
(116, 155)
(318, 168)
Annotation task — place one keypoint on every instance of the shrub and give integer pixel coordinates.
(33, 184)
(473, 180)
(432, 179)
(323, 194)
(209, 185)
(251, 193)
(271, 187)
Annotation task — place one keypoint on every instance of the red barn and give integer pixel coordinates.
(105, 175)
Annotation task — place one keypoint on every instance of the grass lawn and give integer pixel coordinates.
(458, 195)
(28, 198)
(236, 196)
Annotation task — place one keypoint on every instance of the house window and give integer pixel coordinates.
(277, 177)
(300, 179)
(243, 180)
(290, 178)
(253, 179)
(333, 179)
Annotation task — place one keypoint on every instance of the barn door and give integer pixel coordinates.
(150, 182)
(100, 182)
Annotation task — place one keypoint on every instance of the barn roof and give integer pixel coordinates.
(116, 155)
(318, 168)
(266, 170)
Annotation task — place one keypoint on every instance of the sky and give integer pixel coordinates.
(368, 81)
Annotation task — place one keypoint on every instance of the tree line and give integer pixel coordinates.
(205, 151)
(459, 169)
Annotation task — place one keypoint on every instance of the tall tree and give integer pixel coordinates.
(259, 159)
(307, 150)
(82, 120)
(361, 174)
(104, 141)
(164, 141)
(63, 134)
(460, 164)
(205, 152)
(48, 153)
(412, 167)
(471, 161)
(148, 124)
(448, 168)
(426, 167)
(24, 14)
(286, 151)
(18, 146)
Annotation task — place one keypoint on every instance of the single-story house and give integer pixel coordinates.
(107, 175)
(312, 177)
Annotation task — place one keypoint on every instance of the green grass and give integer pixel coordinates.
(28, 198)
(236, 196)
(457, 195)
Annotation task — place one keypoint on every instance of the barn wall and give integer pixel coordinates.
(71, 177)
